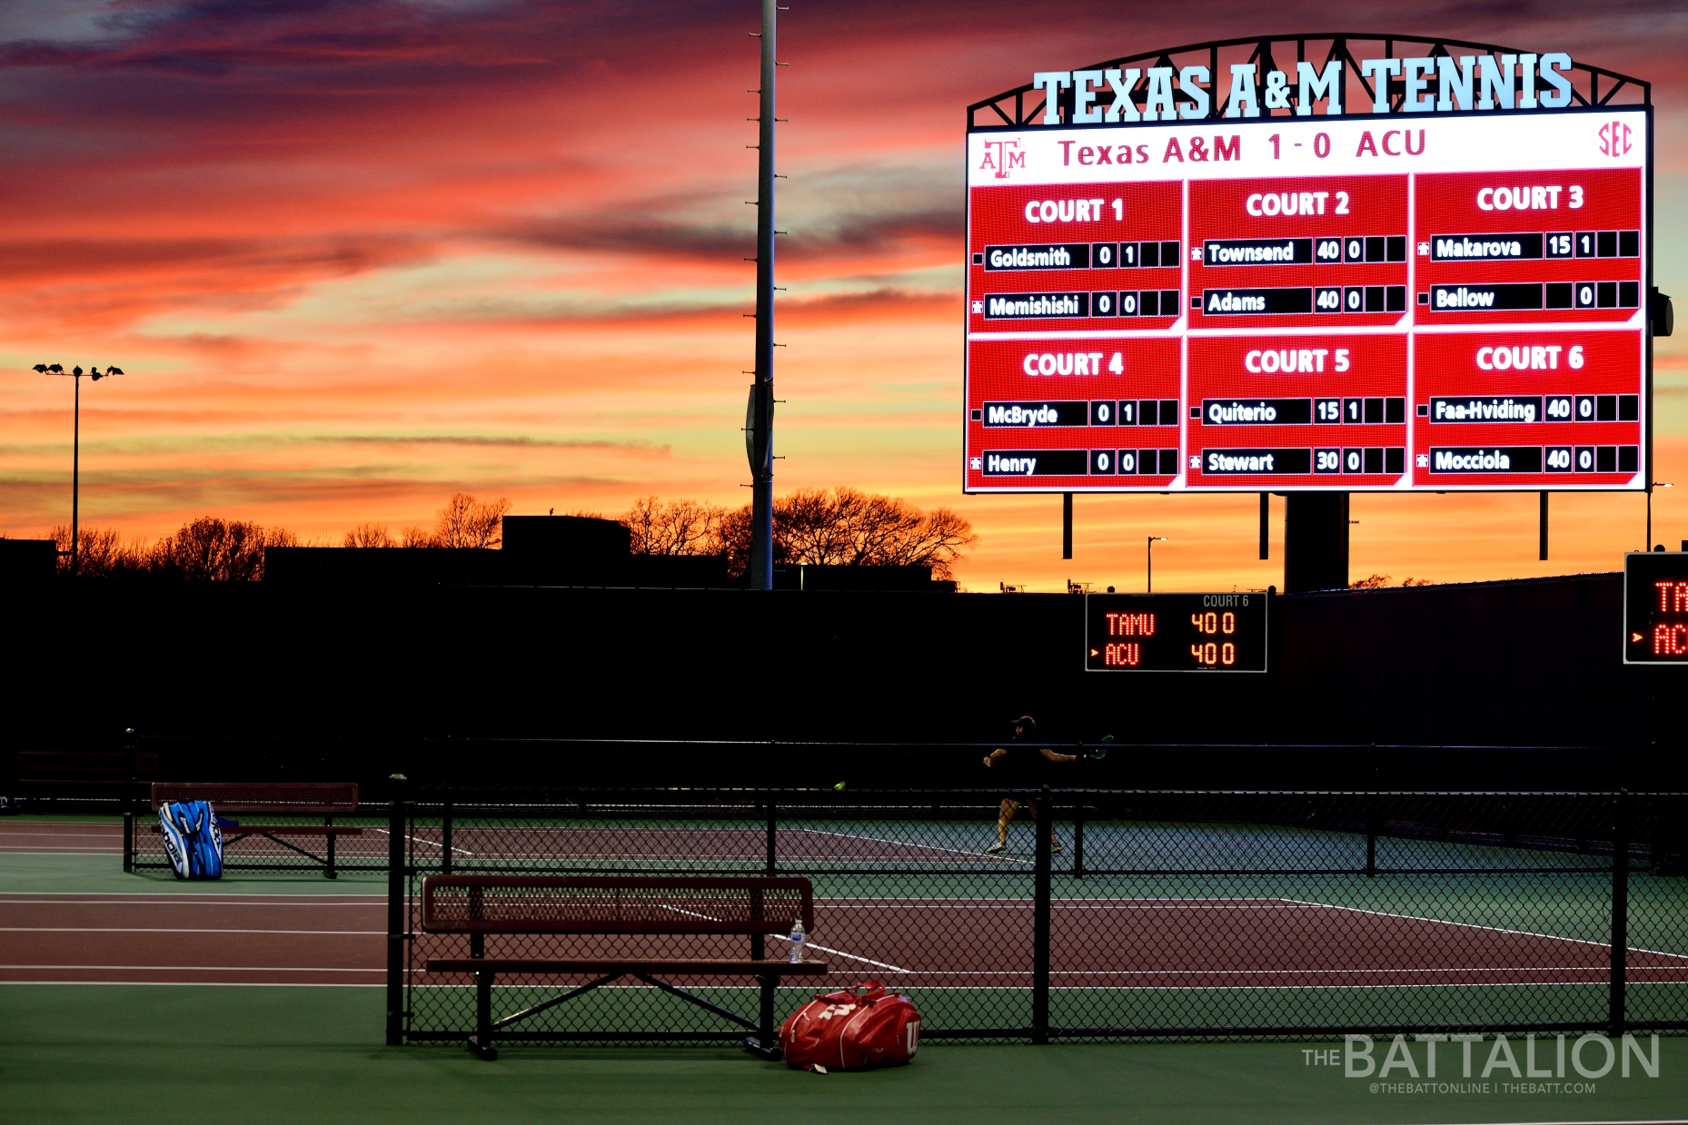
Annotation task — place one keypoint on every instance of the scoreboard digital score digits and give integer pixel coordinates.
(1301, 303)
(1175, 632)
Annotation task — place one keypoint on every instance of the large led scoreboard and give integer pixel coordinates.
(1325, 301)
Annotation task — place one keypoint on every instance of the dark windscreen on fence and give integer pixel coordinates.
(1142, 914)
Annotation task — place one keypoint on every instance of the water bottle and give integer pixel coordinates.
(798, 936)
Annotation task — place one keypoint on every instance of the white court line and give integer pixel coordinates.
(748, 857)
(1491, 929)
(1634, 1121)
(1295, 972)
(414, 840)
(907, 844)
(190, 969)
(822, 948)
(851, 956)
(858, 957)
(169, 930)
(1026, 904)
(190, 900)
(193, 983)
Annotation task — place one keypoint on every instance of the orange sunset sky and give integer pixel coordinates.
(357, 255)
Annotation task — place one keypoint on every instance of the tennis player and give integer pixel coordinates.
(1023, 767)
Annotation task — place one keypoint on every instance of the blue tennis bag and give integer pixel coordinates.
(192, 839)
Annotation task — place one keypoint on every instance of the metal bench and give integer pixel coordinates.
(482, 905)
(326, 799)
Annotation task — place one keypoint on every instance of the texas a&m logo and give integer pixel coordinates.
(1000, 156)
(1614, 139)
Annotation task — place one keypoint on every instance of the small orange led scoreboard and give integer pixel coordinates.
(1656, 608)
(1175, 632)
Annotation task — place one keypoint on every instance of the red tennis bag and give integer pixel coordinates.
(857, 1028)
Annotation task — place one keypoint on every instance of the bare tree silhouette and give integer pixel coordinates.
(467, 522)
(370, 535)
(680, 527)
(847, 527)
(214, 550)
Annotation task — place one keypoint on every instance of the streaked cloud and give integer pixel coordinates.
(359, 254)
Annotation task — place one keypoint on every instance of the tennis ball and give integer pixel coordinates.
(840, 785)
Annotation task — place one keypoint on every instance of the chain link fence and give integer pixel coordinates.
(1102, 915)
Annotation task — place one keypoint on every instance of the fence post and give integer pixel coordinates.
(1044, 825)
(397, 829)
(770, 847)
(1620, 909)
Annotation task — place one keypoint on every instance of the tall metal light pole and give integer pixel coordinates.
(1648, 545)
(761, 412)
(76, 373)
(1151, 549)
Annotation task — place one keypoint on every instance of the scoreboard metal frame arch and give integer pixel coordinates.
(1340, 49)
(1592, 90)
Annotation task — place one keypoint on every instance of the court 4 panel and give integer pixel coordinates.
(1301, 303)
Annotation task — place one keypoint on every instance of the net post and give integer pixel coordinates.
(1371, 841)
(1620, 910)
(131, 797)
(445, 837)
(396, 913)
(1078, 839)
(1044, 825)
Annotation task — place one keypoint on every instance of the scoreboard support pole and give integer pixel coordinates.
(1066, 525)
(1265, 525)
(1315, 541)
(1542, 555)
(1620, 913)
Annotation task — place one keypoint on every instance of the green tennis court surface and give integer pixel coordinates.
(188, 1054)
(185, 1053)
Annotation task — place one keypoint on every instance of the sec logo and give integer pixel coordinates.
(1614, 139)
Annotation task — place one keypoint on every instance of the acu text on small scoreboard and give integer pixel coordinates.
(1175, 632)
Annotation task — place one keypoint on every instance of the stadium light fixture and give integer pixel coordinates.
(1151, 549)
(76, 373)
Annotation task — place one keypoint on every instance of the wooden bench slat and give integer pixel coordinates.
(675, 965)
(322, 798)
(603, 904)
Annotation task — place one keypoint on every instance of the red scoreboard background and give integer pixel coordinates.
(1434, 303)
